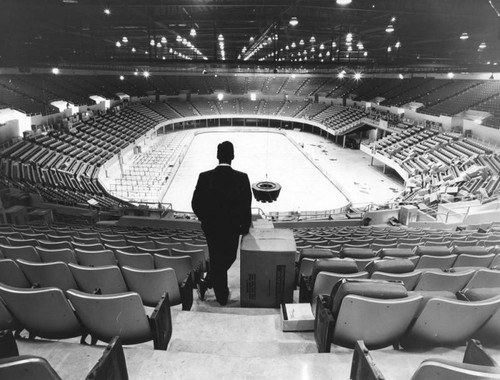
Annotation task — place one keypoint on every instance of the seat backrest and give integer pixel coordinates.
(443, 281)
(20, 252)
(429, 250)
(181, 265)
(357, 253)
(437, 262)
(474, 250)
(335, 265)
(396, 252)
(197, 256)
(87, 247)
(177, 245)
(467, 260)
(126, 248)
(152, 283)
(111, 365)
(27, 367)
(159, 251)
(55, 274)
(315, 253)
(95, 258)
(12, 275)
(148, 244)
(108, 279)
(108, 315)
(485, 278)
(135, 260)
(399, 265)
(54, 244)
(44, 312)
(448, 370)
(408, 279)
(49, 255)
(367, 288)
(22, 242)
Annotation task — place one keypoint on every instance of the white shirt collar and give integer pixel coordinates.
(224, 165)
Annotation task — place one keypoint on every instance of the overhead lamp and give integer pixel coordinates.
(107, 11)
(341, 74)
(357, 76)
(252, 40)
(122, 77)
(192, 33)
(301, 42)
(312, 39)
(334, 44)
(158, 45)
(55, 71)
(349, 48)
(344, 2)
(178, 38)
(365, 54)
(360, 45)
(287, 47)
(482, 45)
(390, 28)
(133, 50)
(450, 75)
(348, 37)
(118, 44)
(294, 21)
(401, 76)
(163, 40)
(327, 53)
(464, 36)
(221, 37)
(293, 45)
(146, 74)
(124, 39)
(322, 47)
(393, 19)
(152, 42)
(398, 45)
(389, 49)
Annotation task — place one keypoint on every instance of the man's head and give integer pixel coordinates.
(225, 152)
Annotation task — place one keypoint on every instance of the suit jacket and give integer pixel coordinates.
(222, 199)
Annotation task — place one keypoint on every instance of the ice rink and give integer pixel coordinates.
(262, 155)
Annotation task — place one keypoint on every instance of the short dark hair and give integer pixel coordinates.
(225, 151)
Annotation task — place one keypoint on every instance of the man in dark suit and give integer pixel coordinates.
(222, 202)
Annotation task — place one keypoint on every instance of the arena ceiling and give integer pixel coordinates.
(425, 31)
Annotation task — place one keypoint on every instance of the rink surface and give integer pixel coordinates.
(262, 155)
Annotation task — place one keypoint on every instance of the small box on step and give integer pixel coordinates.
(297, 317)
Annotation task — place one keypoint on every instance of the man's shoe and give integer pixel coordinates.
(202, 289)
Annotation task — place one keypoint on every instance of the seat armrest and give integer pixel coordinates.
(161, 323)
(324, 324)
(305, 289)
(186, 290)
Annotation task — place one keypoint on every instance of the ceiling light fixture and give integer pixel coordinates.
(344, 2)
(192, 33)
(294, 21)
(464, 36)
(390, 28)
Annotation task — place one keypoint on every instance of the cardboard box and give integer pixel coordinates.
(267, 267)
(297, 317)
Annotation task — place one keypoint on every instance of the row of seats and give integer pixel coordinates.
(384, 313)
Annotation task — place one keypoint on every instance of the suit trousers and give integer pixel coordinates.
(222, 248)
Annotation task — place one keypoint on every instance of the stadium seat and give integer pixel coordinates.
(12, 275)
(49, 255)
(435, 262)
(443, 281)
(152, 283)
(135, 260)
(484, 278)
(346, 316)
(44, 312)
(441, 369)
(27, 367)
(103, 279)
(20, 252)
(44, 275)
(123, 315)
(54, 244)
(95, 258)
(181, 265)
(448, 322)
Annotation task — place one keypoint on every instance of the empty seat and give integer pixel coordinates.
(123, 315)
(484, 278)
(102, 279)
(435, 262)
(135, 260)
(448, 322)
(347, 315)
(152, 283)
(95, 258)
(22, 242)
(11, 274)
(56, 274)
(441, 369)
(443, 281)
(181, 265)
(27, 367)
(20, 252)
(468, 260)
(49, 255)
(44, 312)
(87, 247)
(54, 244)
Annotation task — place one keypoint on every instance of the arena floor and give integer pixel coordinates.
(272, 156)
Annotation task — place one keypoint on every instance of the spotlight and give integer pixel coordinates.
(294, 21)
